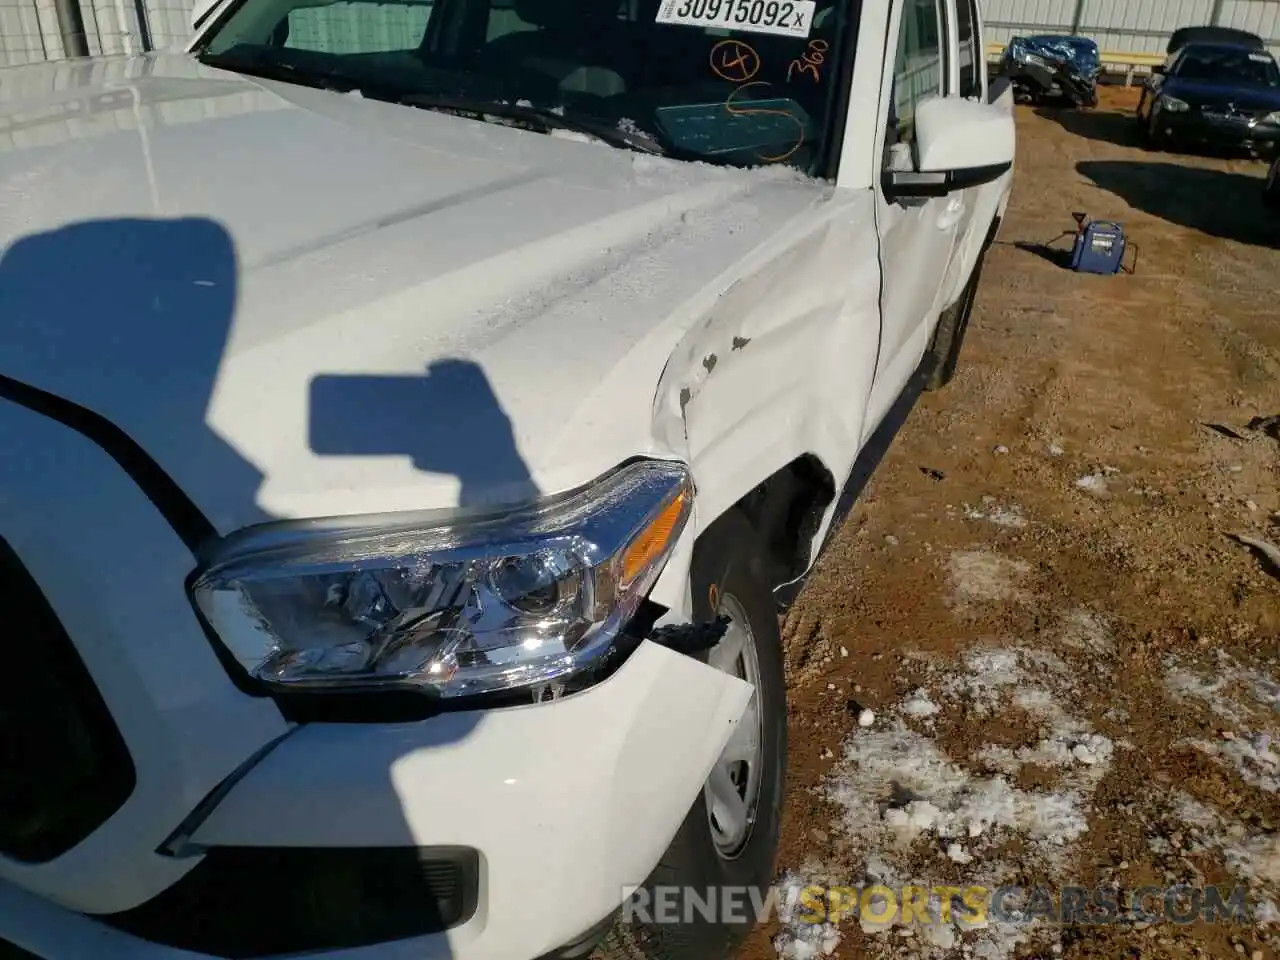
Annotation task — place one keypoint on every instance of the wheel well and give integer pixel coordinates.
(786, 510)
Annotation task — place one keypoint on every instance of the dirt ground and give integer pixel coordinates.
(1073, 667)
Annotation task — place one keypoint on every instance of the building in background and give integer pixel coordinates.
(1129, 26)
(29, 29)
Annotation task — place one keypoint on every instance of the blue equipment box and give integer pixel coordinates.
(1099, 248)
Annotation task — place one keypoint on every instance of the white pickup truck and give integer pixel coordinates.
(413, 416)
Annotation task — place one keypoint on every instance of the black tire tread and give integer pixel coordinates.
(948, 337)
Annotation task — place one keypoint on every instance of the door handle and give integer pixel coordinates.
(952, 214)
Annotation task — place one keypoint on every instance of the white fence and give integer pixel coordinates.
(29, 28)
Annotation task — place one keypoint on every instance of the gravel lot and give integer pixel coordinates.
(1072, 665)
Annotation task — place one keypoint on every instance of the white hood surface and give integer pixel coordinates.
(301, 303)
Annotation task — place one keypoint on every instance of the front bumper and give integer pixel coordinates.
(1193, 126)
(569, 804)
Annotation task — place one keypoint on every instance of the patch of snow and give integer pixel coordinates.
(991, 672)
(981, 576)
(957, 854)
(895, 786)
(574, 135)
(1252, 855)
(1249, 755)
(1086, 753)
(1235, 692)
(1265, 690)
(1038, 702)
(682, 171)
(1184, 684)
(919, 705)
(1002, 516)
(1083, 629)
(797, 939)
(1095, 483)
(947, 801)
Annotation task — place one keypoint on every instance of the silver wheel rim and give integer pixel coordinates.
(733, 790)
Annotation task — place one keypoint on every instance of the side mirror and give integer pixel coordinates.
(959, 144)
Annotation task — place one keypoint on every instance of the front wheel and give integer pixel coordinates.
(1271, 191)
(729, 838)
(1152, 139)
(948, 337)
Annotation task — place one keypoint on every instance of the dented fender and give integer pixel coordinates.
(781, 364)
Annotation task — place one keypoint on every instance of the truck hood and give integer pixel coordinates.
(305, 304)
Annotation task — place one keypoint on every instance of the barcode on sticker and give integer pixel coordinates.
(789, 18)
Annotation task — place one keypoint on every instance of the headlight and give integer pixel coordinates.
(473, 606)
(1037, 60)
(1173, 104)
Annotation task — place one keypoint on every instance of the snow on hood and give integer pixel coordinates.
(308, 304)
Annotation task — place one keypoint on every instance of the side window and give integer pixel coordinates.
(918, 69)
(359, 27)
(503, 20)
(972, 60)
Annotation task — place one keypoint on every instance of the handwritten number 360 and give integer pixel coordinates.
(809, 63)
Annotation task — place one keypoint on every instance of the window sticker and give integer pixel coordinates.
(788, 18)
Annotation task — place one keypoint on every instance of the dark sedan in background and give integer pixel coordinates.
(1224, 95)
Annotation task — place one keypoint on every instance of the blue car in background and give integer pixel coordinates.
(1214, 94)
(1053, 67)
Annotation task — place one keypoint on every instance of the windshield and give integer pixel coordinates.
(1245, 68)
(740, 82)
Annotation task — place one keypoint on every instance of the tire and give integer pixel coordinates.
(729, 560)
(1271, 191)
(952, 326)
(1152, 139)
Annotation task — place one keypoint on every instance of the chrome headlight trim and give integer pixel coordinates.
(447, 604)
